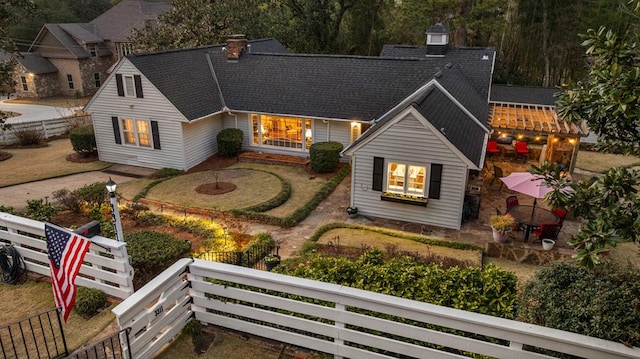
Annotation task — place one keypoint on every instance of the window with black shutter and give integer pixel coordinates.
(116, 129)
(155, 134)
(435, 181)
(119, 85)
(138, 81)
(378, 173)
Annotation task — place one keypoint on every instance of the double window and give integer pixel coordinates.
(281, 131)
(407, 179)
(70, 82)
(136, 132)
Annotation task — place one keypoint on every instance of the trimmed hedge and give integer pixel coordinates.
(302, 212)
(325, 156)
(83, 140)
(487, 290)
(311, 244)
(229, 142)
(602, 303)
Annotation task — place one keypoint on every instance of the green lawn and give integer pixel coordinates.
(601, 162)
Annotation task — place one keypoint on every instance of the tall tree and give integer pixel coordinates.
(192, 23)
(31, 21)
(87, 10)
(11, 12)
(609, 99)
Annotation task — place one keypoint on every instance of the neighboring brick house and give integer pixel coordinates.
(74, 59)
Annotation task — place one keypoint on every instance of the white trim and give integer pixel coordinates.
(135, 132)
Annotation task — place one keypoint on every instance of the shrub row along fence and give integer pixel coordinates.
(44, 129)
(253, 258)
(105, 267)
(334, 319)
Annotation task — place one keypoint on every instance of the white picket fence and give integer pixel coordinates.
(106, 265)
(49, 128)
(330, 318)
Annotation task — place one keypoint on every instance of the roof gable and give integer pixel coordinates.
(71, 37)
(117, 23)
(461, 129)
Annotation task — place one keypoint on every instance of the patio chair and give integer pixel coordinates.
(561, 213)
(492, 147)
(512, 201)
(497, 173)
(548, 230)
(522, 150)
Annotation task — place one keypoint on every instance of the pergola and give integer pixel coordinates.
(539, 125)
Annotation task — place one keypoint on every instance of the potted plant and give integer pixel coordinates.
(547, 244)
(501, 224)
(271, 261)
(352, 211)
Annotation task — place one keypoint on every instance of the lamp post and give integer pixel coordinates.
(115, 215)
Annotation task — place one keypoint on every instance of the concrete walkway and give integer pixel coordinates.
(17, 196)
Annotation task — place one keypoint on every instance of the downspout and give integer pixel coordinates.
(328, 129)
(235, 116)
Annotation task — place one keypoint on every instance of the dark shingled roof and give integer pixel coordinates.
(36, 64)
(524, 94)
(318, 86)
(73, 36)
(117, 23)
(445, 115)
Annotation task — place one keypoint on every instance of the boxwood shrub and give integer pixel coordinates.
(229, 142)
(325, 156)
(152, 252)
(83, 140)
(89, 301)
(602, 303)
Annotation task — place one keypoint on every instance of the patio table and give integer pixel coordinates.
(531, 217)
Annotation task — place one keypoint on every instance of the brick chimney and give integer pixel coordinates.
(236, 44)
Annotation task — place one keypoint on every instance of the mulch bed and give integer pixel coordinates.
(74, 157)
(4, 155)
(215, 188)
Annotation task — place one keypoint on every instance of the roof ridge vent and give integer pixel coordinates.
(448, 65)
(438, 74)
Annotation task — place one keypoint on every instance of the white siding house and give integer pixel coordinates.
(145, 144)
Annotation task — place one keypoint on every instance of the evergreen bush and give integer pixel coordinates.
(94, 193)
(602, 303)
(152, 252)
(325, 156)
(89, 301)
(83, 140)
(229, 142)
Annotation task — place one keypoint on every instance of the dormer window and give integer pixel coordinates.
(437, 39)
(92, 50)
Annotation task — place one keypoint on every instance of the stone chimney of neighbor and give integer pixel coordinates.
(236, 44)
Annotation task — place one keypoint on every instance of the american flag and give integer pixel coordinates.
(66, 253)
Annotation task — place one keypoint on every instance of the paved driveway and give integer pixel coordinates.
(30, 113)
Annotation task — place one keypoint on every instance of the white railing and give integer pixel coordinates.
(49, 128)
(106, 265)
(329, 318)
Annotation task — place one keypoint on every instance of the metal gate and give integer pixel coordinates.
(42, 336)
(108, 348)
(252, 258)
(39, 336)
